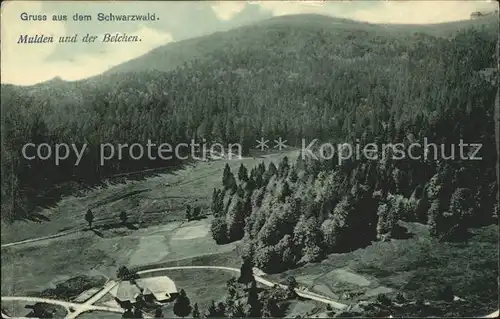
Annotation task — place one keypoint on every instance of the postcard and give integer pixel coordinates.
(249, 159)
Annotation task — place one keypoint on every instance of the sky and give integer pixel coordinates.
(26, 64)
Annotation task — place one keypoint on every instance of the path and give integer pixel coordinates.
(97, 222)
(304, 294)
(32, 240)
(88, 304)
(75, 309)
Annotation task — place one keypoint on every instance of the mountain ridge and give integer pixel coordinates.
(175, 54)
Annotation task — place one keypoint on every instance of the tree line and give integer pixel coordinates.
(298, 212)
(344, 85)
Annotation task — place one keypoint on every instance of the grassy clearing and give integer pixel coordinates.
(31, 270)
(53, 262)
(155, 199)
(418, 267)
(162, 237)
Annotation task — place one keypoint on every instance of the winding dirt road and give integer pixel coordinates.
(259, 279)
(33, 240)
(75, 309)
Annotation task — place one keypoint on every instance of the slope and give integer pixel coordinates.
(335, 78)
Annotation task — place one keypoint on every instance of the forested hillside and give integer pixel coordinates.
(331, 80)
(293, 28)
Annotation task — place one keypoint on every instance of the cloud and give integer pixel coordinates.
(226, 10)
(279, 8)
(402, 12)
(420, 12)
(31, 63)
(83, 65)
(26, 64)
(112, 54)
(13, 27)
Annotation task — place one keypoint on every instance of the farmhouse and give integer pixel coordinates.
(153, 289)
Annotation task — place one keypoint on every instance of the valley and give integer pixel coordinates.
(94, 229)
(163, 239)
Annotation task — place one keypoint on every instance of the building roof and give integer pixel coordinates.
(161, 287)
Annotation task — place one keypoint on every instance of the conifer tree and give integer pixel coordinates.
(292, 175)
(196, 311)
(182, 305)
(89, 217)
(255, 305)
(242, 173)
(219, 230)
(189, 215)
(285, 191)
(158, 313)
(246, 272)
(212, 311)
(226, 176)
(435, 218)
(283, 167)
